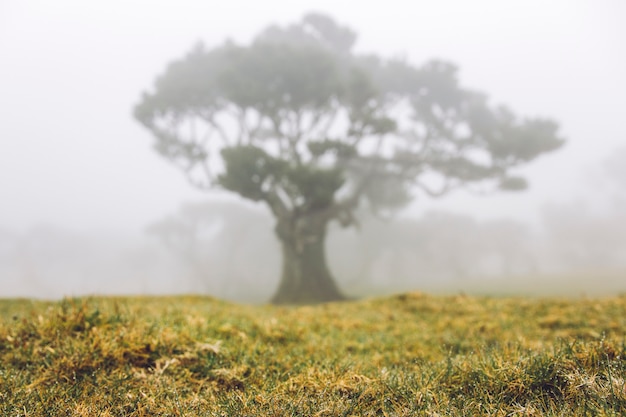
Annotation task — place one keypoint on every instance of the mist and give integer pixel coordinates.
(226, 248)
(87, 207)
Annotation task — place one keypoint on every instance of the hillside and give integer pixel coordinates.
(405, 355)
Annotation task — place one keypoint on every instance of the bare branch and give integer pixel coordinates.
(243, 126)
(210, 119)
(315, 120)
(445, 188)
(330, 122)
(276, 204)
(252, 134)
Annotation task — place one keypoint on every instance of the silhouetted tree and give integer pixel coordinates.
(589, 234)
(300, 122)
(212, 239)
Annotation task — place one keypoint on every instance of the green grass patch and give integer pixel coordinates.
(405, 355)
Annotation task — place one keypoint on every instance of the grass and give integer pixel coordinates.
(404, 355)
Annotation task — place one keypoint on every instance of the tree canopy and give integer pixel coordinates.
(301, 122)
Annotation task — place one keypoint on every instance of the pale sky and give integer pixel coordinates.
(70, 72)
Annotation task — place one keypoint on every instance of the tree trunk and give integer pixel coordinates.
(305, 277)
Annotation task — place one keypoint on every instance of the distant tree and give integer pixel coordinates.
(590, 233)
(211, 239)
(299, 121)
(615, 166)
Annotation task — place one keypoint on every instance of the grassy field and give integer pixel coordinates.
(405, 355)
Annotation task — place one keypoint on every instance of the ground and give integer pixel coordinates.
(404, 355)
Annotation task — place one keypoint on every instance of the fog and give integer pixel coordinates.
(87, 207)
(226, 248)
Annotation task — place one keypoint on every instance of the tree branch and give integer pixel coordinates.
(210, 119)
(444, 189)
(276, 203)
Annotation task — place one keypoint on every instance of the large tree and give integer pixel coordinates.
(299, 121)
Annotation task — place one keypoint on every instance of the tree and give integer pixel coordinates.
(211, 237)
(300, 122)
(589, 234)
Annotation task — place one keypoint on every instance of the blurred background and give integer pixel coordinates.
(87, 207)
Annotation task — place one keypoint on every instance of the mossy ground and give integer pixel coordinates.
(405, 355)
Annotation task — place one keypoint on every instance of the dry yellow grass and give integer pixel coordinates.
(405, 355)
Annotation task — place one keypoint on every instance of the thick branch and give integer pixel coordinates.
(276, 204)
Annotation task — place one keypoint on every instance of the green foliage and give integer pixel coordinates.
(513, 184)
(314, 29)
(277, 77)
(316, 186)
(338, 148)
(384, 193)
(279, 100)
(405, 355)
(250, 171)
